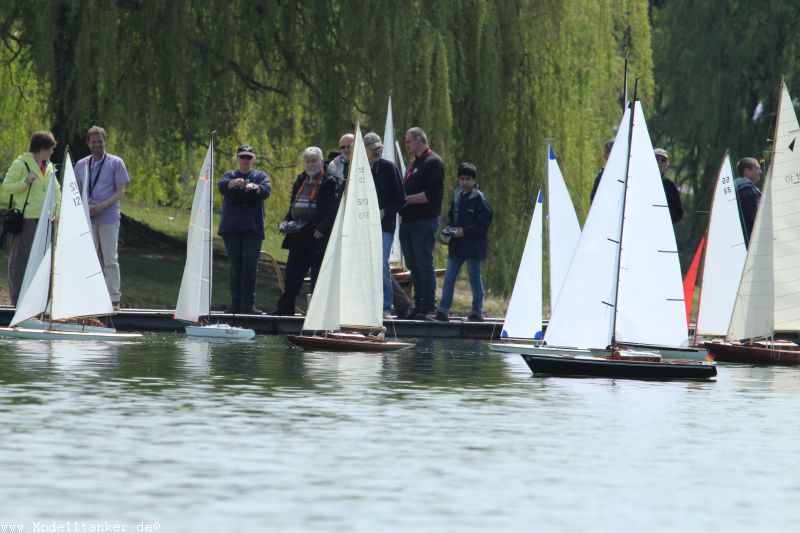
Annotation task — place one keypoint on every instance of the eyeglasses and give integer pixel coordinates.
(248, 157)
(344, 146)
(662, 159)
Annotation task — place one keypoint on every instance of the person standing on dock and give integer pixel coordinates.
(307, 226)
(340, 165)
(670, 190)
(391, 197)
(468, 228)
(748, 173)
(241, 226)
(104, 177)
(424, 186)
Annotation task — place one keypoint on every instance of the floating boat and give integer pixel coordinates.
(63, 278)
(768, 299)
(348, 297)
(623, 286)
(194, 298)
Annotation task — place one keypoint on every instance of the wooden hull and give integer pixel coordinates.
(49, 334)
(782, 354)
(347, 345)
(565, 365)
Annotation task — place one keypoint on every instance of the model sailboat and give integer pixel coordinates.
(768, 300)
(624, 281)
(194, 298)
(63, 276)
(524, 316)
(349, 289)
(390, 154)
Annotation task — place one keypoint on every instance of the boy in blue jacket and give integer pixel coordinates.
(469, 219)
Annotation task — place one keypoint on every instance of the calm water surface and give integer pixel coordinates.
(184, 435)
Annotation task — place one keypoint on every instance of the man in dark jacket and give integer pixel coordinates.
(424, 185)
(242, 227)
(391, 197)
(748, 172)
(670, 190)
(307, 225)
(469, 219)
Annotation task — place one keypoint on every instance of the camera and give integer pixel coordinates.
(289, 226)
(448, 231)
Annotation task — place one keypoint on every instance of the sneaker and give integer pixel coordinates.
(440, 317)
(418, 316)
(387, 314)
(115, 305)
(474, 318)
(282, 312)
(251, 311)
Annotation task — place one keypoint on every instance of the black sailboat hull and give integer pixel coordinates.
(608, 367)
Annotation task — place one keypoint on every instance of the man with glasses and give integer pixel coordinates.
(241, 227)
(424, 185)
(670, 190)
(748, 172)
(340, 165)
(391, 197)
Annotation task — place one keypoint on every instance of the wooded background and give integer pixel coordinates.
(487, 80)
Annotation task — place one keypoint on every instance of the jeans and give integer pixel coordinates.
(244, 249)
(417, 238)
(475, 282)
(388, 239)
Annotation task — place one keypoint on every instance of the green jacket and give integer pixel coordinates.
(14, 183)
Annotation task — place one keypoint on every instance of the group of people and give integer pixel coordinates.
(416, 196)
(102, 178)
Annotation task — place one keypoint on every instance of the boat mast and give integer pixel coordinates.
(54, 238)
(622, 219)
(548, 142)
(210, 225)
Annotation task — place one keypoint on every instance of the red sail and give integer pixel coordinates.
(691, 280)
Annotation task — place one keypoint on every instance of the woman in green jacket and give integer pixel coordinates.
(27, 181)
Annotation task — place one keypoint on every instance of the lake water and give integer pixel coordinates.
(173, 434)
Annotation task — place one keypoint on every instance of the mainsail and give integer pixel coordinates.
(349, 289)
(562, 222)
(195, 291)
(390, 154)
(724, 257)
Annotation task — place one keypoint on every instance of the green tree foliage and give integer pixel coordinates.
(719, 66)
(488, 81)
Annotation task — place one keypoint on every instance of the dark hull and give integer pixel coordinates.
(347, 345)
(559, 365)
(753, 355)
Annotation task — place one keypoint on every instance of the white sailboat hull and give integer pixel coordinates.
(220, 331)
(52, 334)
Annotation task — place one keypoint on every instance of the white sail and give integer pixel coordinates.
(724, 257)
(388, 134)
(753, 311)
(563, 226)
(349, 289)
(35, 287)
(584, 313)
(650, 305)
(193, 298)
(785, 198)
(79, 287)
(524, 315)
(769, 292)
(390, 154)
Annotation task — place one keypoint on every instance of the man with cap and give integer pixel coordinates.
(748, 172)
(241, 227)
(391, 197)
(670, 190)
(468, 228)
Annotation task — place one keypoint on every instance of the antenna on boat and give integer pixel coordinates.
(622, 219)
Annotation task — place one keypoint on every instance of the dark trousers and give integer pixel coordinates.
(417, 238)
(243, 248)
(18, 257)
(305, 253)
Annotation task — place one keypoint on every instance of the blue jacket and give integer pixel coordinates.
(473, 213)
(749, 197)
(390, 191)
(243, 211)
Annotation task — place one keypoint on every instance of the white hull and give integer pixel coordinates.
(538, 349)
(34, 323)
(49, 334)
(220, 331)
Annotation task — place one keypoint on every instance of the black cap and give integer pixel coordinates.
(246, 149)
